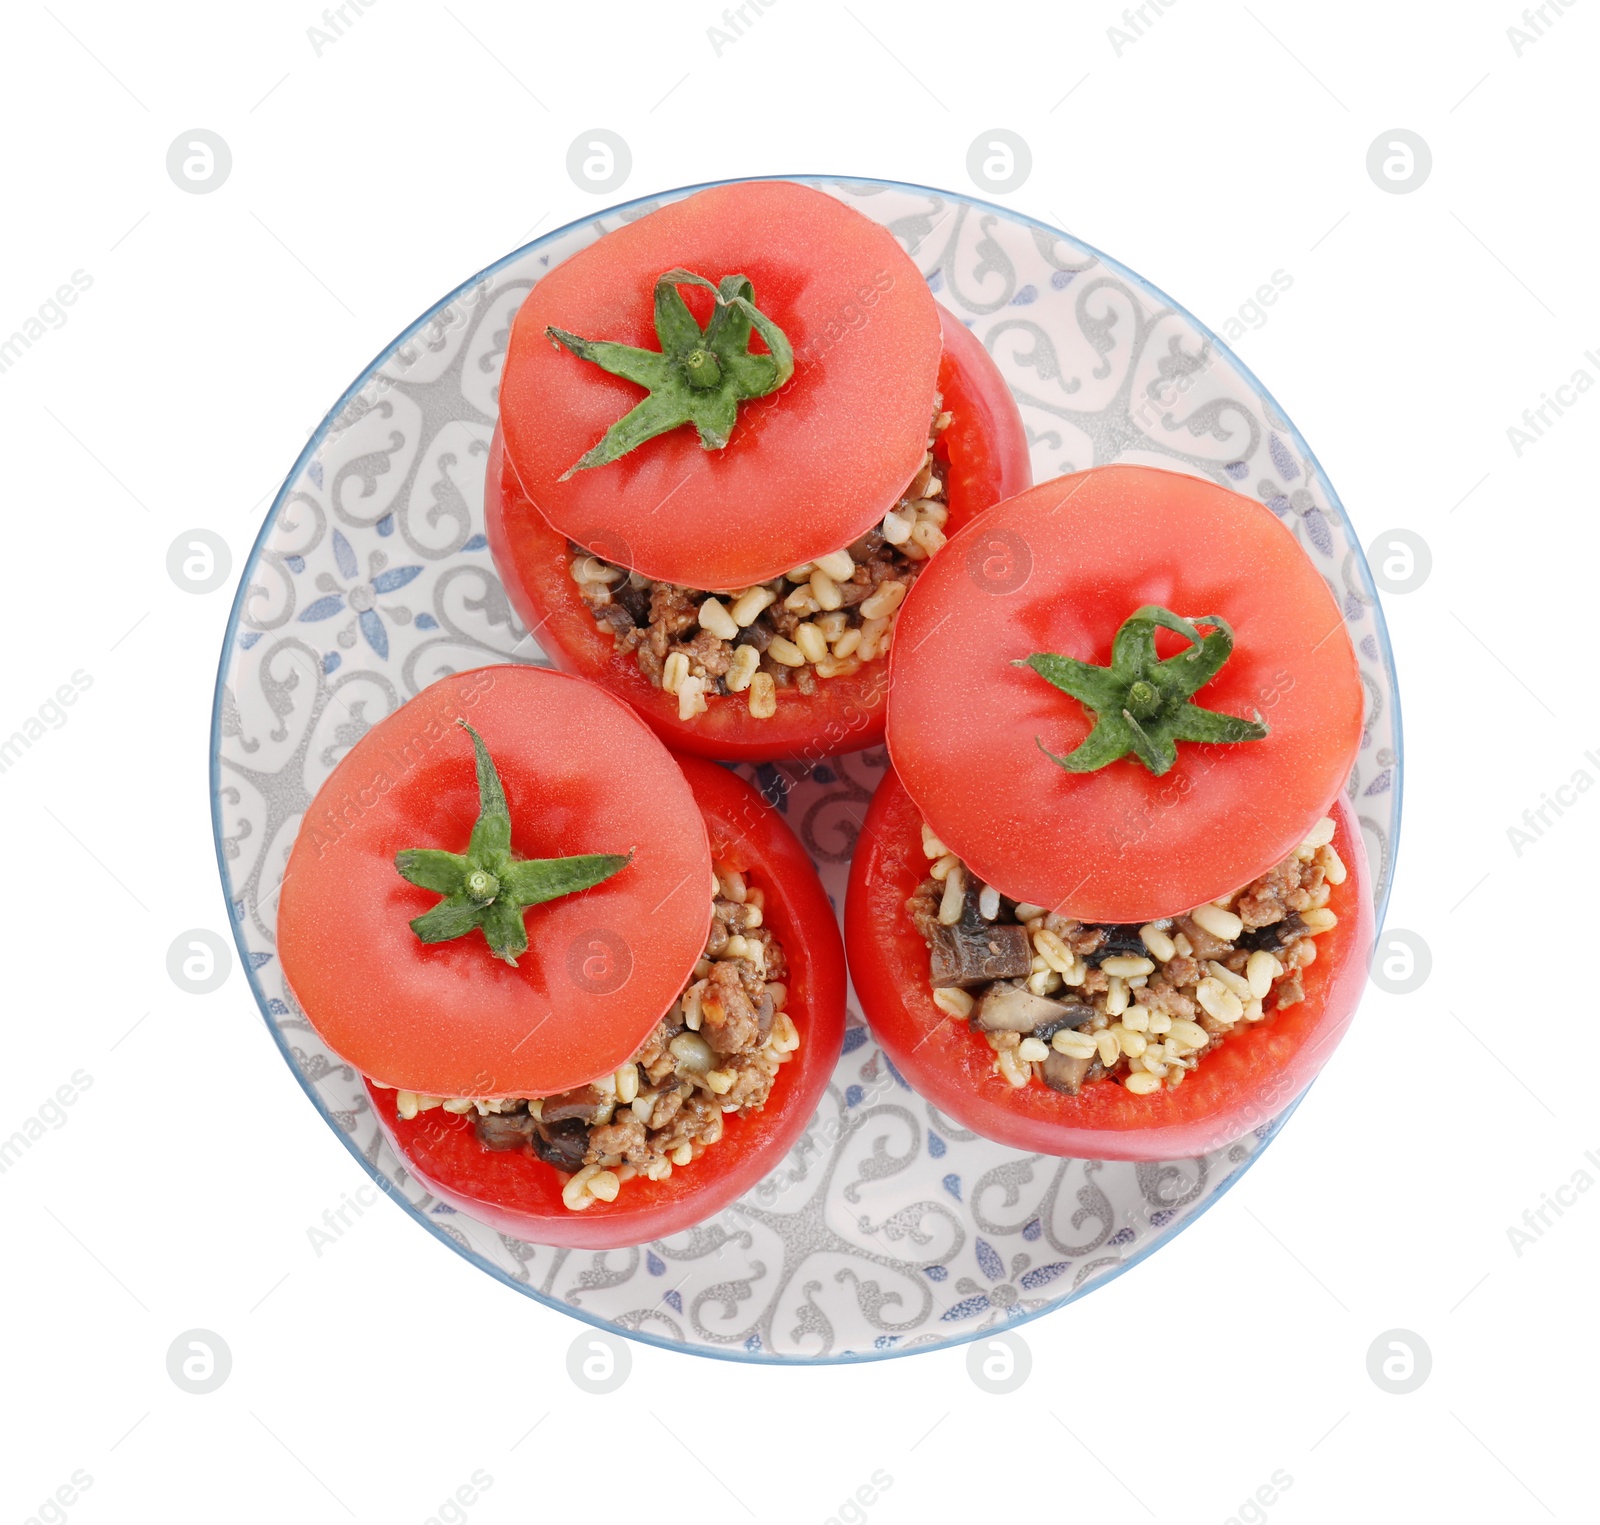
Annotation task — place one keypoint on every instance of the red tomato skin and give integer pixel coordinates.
(1246, 1083)
(450, 1019)
(984, 449)
(965, 724)
(521, 1196)
(806, 469)
(985, 459)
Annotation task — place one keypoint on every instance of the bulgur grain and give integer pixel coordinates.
(763, 696)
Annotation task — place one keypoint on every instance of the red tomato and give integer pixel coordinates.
(1059, 569)
(807, 469)
(581, 775)
(984, 448)
(521, 1196)
(1248, 1081)
(984, 455)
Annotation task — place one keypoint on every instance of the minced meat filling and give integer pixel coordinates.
(716, 1052)
(1070, 1003)
(825, 619)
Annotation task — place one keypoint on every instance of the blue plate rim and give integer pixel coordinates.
(214, 775)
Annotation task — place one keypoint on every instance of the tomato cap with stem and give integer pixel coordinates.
(811, 465)
(578, 770)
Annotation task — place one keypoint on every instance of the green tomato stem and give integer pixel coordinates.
(701, 367)
(698, 376)
(1141, 704)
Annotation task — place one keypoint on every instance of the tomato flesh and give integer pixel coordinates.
(1252, 1077)
(521, 1196)
(806, 469)
(581, 775)
(984, 458)
(1058, 569)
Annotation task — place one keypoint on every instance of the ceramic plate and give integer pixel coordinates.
(888, 1229)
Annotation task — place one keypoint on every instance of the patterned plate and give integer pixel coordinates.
(889, 1228)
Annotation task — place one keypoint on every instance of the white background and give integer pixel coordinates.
(1224, 143)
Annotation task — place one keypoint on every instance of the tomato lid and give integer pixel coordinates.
(980, 742)
(581, 775)
(806, 469)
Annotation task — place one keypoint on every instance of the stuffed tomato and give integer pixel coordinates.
(1109, 902)
(732, 434)
(595, 991)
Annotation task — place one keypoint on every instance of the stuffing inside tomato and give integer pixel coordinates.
(741, 590)
(720, 1090)
(1151, 1041)
(1122, 694)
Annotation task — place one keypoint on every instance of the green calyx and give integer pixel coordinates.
(697, 377)
(485, 889)
(1140, 703)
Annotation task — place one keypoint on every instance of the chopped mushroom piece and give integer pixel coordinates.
(1116, 942)
(1064, 1074)
(1070, 1017)
(966, 956)
(1013, 1009)
(511, 1130)
(1274, 937)
(562, 1144)
(976, 950)
(582, 1105)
